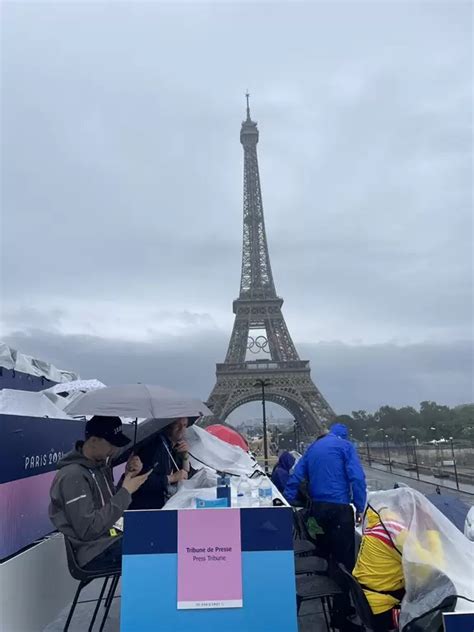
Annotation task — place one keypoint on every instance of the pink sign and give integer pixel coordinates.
(209, 559)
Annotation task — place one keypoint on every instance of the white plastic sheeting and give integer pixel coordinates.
(82, 386)
(211, 455)
(74, 390)
(60, 401)
(206, 449)
(203, 485)
(28, 404)
(437, 559)
(13, 359)
(469, 525)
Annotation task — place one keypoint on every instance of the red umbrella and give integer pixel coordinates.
(224, 433)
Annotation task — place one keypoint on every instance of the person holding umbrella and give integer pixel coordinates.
(85, 505)
(158, 438)
(166, 455)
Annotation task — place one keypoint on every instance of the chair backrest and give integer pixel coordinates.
(359, 599)
(297, 530)
(299, 524)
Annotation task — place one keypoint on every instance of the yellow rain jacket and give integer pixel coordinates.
(379, 562)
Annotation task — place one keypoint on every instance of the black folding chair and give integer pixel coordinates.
(310, 565)
(85, 577)
(317, 587)
(300, 531)
(361, 605)
(303, 548)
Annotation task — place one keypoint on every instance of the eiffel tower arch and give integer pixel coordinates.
(260, 346)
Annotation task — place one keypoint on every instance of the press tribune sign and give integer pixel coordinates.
(209, 559)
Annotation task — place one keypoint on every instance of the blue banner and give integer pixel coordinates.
(33, 445)
(9, 378)
(459, 621)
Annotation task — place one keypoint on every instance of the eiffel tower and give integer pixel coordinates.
(259, 326)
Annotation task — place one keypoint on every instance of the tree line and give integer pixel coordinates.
(431, 421)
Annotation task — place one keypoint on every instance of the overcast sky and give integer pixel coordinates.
(122, 188)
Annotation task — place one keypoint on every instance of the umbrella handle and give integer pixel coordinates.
(135, 434)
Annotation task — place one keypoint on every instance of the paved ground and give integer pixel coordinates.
(83, 614)
(378, 477)
(311, 619)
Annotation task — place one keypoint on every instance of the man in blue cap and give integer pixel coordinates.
(336, 480)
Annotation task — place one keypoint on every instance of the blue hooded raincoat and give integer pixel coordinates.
(281, 473)
(333, 469)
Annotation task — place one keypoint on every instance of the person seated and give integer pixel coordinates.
(166, 455)
(379, 567)
(85, 505)
(379, 570)
(281, 471)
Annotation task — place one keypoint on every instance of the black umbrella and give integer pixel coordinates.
(140, 432)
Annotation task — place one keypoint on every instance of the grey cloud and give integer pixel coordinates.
(369, 376)
(122, 168)
(351, 377)
(181, 363)
(25, 317)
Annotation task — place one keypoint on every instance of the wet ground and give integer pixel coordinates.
(311, 619)
(378, 477)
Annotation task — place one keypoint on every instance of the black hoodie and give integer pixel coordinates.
(85, 504)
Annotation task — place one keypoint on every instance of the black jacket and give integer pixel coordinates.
(154, 455)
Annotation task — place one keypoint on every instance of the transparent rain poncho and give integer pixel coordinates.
(206, 449)
(437, 559)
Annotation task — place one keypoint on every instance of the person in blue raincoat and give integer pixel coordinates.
(336, 480)
(281, 471)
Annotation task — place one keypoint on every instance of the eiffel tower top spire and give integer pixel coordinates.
(257, 279)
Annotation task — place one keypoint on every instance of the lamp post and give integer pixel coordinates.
(388, 452)
(415, 457)
(404, 430)
(295, 428)
(384, 447)
(454, 463)
(368, 449)
(435, 443)
(278, 439)
(263, 384)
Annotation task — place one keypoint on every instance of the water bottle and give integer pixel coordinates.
(223, 487)
(265, 492)
(244, 493)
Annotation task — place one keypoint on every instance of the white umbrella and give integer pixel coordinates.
(140, 401)
(137, 400)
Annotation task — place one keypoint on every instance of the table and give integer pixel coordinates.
(150, 563)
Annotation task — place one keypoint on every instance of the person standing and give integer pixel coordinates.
(166, 455)
(335, 479)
